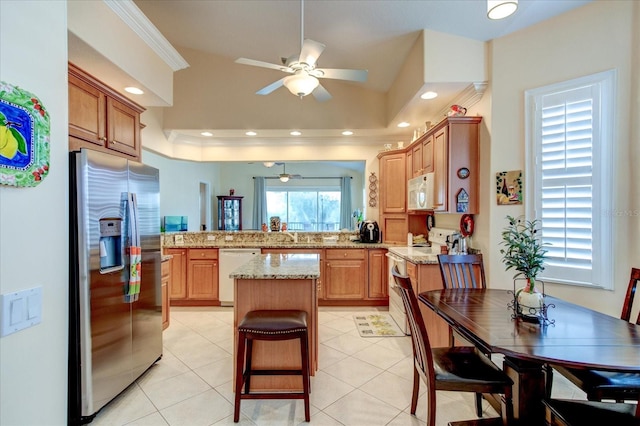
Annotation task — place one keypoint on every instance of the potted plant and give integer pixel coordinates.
(523, 251)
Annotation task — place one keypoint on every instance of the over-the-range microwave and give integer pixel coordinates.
(420, 192)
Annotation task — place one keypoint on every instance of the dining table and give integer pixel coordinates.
(570, 335)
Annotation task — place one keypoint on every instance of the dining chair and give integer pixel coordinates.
(562, 412)
(600, 385)
(462, 270)
(459, 368)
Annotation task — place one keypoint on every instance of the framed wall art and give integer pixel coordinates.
(509, 187)
(24, 137)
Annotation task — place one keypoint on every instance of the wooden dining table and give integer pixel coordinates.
(573, 336)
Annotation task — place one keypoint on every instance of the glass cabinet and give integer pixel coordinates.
(229, 213)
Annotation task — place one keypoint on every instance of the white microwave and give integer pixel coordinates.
(420, 192)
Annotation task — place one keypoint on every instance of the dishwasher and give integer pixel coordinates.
(228, 261)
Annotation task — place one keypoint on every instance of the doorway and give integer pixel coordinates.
(205, 207)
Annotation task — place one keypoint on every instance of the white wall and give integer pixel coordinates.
(590, 39)
(33, 221)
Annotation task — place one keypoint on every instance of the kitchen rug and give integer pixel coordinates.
(377, 325)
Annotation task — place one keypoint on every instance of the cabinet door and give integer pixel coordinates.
(378, 280)
(86, 112)
(441, 169)
(166, 285)
(395, 228)
(427, 154)
(416, 163)
(203, 279)
(124, 128)
(393, 183)
(344, 279)
(178, 277)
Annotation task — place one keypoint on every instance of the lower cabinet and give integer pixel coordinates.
(166, 286)
(348, 276)
(194, 277)
(426, 277)
(345, 274)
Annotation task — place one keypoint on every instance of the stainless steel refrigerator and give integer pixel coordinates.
(115, 301)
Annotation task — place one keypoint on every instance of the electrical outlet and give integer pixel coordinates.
(228, 238)
(178, 240)
(211, 237)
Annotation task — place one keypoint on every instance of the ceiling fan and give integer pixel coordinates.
(284, 176)
(302, 67)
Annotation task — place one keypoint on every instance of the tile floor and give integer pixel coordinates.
(360, 382)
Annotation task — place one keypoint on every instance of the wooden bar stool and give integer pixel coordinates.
(271, 325)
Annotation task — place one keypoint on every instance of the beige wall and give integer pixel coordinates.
(590, 39)
(33, 221)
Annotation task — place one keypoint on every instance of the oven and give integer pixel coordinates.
(396, 306)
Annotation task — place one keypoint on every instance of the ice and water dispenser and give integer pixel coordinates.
(110, 245)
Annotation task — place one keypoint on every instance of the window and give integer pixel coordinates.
(305, 209)
(569, 143)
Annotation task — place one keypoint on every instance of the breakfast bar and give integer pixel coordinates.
(282, 282)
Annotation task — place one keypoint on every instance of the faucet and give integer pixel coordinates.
(293, 236)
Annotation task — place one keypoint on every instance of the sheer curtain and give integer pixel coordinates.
(259, 202)
(345, 203)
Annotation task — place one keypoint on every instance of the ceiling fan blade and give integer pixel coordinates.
(270, 88)
(340, 74)
(310, 51)
(321, 94)
(261, 64)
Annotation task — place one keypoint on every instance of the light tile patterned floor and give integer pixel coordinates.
(360, 382)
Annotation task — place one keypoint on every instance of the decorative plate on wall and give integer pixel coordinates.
(24, 137)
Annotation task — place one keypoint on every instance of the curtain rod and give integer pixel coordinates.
(306, 177)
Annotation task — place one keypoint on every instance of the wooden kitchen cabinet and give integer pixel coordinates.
(202, 276)
(178, 271)
(378, 283)
(427, 154)
(426, 277)
(345, 275)
(166, 289)
(194, 276)
(417, 166)
(393, 183)
(456, 163)
(100, 118)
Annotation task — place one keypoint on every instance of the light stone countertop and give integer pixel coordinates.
(280, 267)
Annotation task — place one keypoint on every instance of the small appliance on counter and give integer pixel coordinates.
(369, 232)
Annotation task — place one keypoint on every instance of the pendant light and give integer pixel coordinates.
(499, 9)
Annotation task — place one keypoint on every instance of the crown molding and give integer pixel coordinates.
(144, 28)
(470, 96)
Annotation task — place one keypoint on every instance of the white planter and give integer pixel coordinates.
(530, 303)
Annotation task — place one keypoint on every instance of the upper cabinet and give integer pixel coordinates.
(456, 164)
(393, 182)
(100, 118)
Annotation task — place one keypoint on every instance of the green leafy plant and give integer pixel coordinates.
(523, 249)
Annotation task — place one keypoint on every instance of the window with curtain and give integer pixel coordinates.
(305, 209)
(569, 143)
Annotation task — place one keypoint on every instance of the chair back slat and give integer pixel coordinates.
(421, 347)
(628, 299)
(462, 271)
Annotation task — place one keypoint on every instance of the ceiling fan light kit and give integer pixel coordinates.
(500, 9)
(301, 83)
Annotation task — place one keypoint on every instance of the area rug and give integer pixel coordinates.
(377, 325)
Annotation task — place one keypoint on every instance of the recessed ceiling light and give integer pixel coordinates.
(250, 133)
(133, 90)
(403, 124)
(206, 134)
(499, 9)
(429, 95)
(295, 133)
(347, 133)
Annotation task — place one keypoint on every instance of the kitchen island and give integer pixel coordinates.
(278, 281)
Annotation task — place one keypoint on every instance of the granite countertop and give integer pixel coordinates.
(280, 267)
(417, 255)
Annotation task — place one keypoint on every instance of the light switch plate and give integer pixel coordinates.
(20, 310)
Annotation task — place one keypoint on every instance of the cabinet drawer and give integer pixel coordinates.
(335, 254)
(203, 254)
(166, 269)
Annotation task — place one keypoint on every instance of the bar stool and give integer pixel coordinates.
(271, 325)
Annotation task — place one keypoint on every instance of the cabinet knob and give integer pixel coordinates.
(345, 254)
(113, 142)
(102, 138)
(202, 254)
